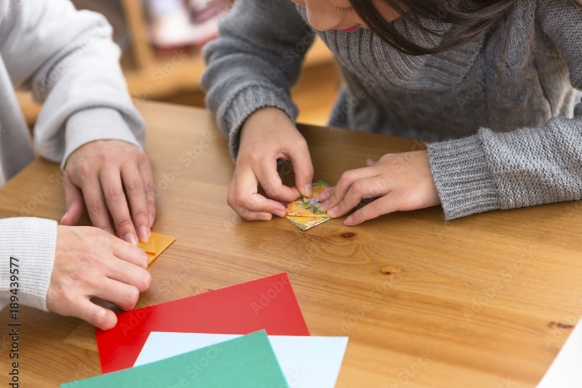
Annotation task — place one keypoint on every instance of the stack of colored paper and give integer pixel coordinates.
(204, 341)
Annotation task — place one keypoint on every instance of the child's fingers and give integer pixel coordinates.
(384, 205)
(303, 167)
(245, 200)
(345, 182)
(361, 189)
(325, 194)
(270, 181)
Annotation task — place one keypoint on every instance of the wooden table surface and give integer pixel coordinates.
(484, 301)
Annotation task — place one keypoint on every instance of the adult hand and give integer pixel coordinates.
(92, 263)
(96, 175)
(266, 136)
(402, 181)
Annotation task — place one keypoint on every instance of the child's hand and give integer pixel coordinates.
(92, 263)
(96, 175)
(268, 135)
(403, 181)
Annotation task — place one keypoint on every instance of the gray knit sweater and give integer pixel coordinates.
(500, 108)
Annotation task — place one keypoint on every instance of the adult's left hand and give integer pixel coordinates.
(114, 178)
(402, 182)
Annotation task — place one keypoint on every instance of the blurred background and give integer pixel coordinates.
(161, 41)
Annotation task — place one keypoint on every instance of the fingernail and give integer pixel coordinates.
(324, 196)
(324, 205)
(130, 238)
(349, 221)
(308, 191)
(332, 212)
(144, 234)
(281, 213)
(63, 219)
(151, 220)
(265, 217)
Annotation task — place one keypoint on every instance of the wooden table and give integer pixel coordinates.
(484, 301)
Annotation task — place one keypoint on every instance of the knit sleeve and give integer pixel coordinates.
(70, 63)
(27, 254)
(255, 62)
(526, 167)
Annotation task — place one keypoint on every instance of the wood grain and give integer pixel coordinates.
(485, 301)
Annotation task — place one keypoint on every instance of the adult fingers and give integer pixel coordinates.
(128, 273)
(145, 170)
(361, 189)
(128, 252)
(96, 315)
(137, 197)
(74, 203)
(96, 205)
(120, 294)
(117, 204)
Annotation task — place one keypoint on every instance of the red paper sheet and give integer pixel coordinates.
(267, 303)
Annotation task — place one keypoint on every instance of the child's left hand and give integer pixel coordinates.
(403, 181)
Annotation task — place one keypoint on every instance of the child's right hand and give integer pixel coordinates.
(268, 135)
(90, 262)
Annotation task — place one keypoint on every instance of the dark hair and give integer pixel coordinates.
(474, 16)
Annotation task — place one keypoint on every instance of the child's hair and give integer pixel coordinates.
(475, 15)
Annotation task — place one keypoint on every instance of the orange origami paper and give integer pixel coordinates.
(156, 245)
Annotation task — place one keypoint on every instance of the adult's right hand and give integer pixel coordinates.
(90, 262)
(267, 135)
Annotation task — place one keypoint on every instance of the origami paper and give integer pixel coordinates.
(267, 303)
(148, 247)
(306, 361)
(305, 214)
(157, 244)
(226, 364)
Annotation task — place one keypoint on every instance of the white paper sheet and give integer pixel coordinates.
(566, 370)
(306, 361)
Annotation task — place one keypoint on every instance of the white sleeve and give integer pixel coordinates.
(31, 243)
(69, 61)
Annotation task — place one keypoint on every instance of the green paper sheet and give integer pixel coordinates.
(247, 361)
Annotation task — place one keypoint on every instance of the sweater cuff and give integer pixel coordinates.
(95, 124)
(462, 177)
(31, 241)
(247, 101)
